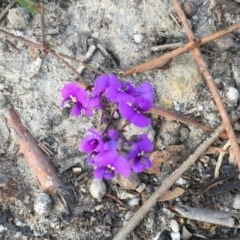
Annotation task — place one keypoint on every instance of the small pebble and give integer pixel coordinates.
(18, 235)
(133, 202)
(2, 228)
(236, 202)
(141, 187)
(231, 96)
(97, 188)
(174, 226)
(18, 17)
(181, 181)
(175, 236)
(138, 38)
(43, 204)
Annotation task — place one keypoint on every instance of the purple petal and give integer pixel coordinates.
(105, 158)
(88, 111)
(113, 81)
(142, 104)
(125, 110)
(65, 100)
(147, 161)
(100, 85)
(145, 90)
(76, 110)
(122, 96)
(110, 145)
(88, 144)
(69, 89)
(82, 97)
(111, 93)
(140, 120)
(122, 166)
(145, 144)
(132, 154)
(109, 174)
(137, 166)
(90, 158)
(99, 172)
(113, 134)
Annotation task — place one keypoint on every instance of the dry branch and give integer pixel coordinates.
(160, 61)
(39, 164)
(138, 216)
(211, 84)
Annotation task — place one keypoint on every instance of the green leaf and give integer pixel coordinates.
(29, 6)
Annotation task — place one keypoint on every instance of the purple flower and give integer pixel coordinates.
(109, 163)
(138, 161)
(132, 111)
(79, 97)
(145, 90)
(101, 84)
(91, 142)
(117, 92)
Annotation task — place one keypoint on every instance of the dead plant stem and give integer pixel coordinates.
(211, 84)
(160, 61)
(138, 216)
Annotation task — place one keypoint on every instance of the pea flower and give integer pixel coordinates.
(91, 142)
(101, 84)
(145, 90)
(108, 163)
(117, 92)
(133, 111)
(78, 97)
(137, 155)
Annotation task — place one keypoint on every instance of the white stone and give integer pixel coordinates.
(174, 226)
(181, 181)
(43, 204)
(231, 95)
(133, 202)
(18, 235)
(236, 202)
(2, 228)
(97, 188)
(175, 236)
(138, 38)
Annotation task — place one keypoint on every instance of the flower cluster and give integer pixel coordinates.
(109, 152)
(132, 101)
(109, 155)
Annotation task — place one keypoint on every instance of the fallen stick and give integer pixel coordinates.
(211, 84)
(222, 218)
(160, 61)
(41, 167)
(169, 181)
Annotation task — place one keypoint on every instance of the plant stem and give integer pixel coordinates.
(160, 61)
(211, 84)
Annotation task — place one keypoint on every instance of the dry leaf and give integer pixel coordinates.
(169, 195)
(157, 158)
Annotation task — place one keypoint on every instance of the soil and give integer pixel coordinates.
(32, 83)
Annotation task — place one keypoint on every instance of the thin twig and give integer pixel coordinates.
(211, 84)
(6, 9)
(21, 39)
(160, 61)
(179, 118)
(138, 216)
(166, 47)
(82, 84)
